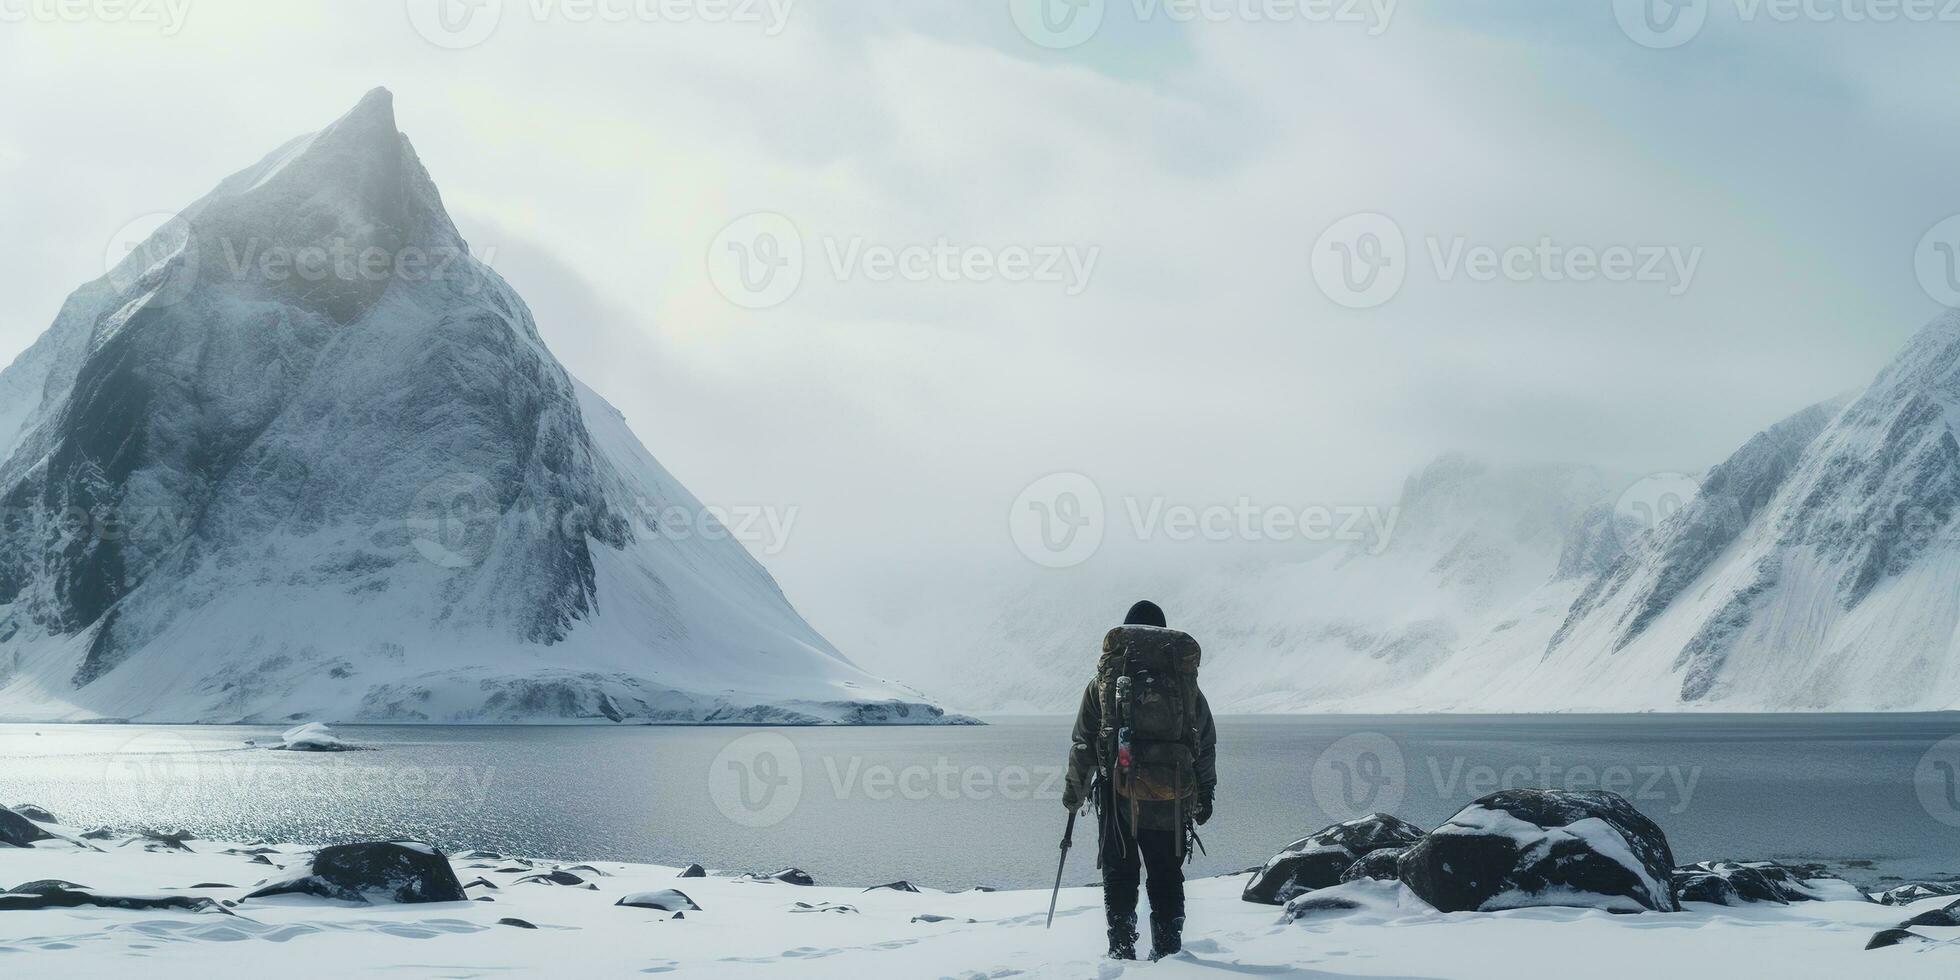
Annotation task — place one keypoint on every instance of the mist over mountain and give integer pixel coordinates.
(1817, 568)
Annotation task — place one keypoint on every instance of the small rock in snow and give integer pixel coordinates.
(517, 923)
(664, 900)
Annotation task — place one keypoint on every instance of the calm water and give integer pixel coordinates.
(953, 807)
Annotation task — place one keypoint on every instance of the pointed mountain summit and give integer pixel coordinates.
(301, 455)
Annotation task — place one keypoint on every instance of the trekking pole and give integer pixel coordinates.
(1068, 836)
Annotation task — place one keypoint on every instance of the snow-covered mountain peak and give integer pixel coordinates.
(330, 470)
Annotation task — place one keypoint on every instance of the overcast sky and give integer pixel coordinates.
(1770, 180)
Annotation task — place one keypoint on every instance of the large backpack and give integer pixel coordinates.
(1147, 682)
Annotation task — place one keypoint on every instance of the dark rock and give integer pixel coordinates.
(551, 878)
(387, 871)
(929, 917)
(518, 923)
(34, 813)
(1377, 864)
(252, 851)
(693, 871)
(1895, 937)
(65, 898)
(98, 833)
(513, 870)
(1319, 859)
(46, 885)
(588, 869)
(1527, 847)
(1744, 882)
(792, 876)
(1911, 892)
(479, 856)
(18, 831)
(1945, 918)
(665, 900)
(982, 888)
(679, 915)
(897, 886)
(483, 883)
(153, 840)
(483, 898)
(213, 884)
(259, 859)
(824, 907)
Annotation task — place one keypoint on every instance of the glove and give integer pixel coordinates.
(1071, 799)
(1203, 813)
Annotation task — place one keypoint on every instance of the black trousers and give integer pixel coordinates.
(1126, 855)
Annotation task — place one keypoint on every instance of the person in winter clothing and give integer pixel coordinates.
(1145, 753)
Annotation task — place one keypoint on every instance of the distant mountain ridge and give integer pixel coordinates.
(1815, 569)
(302, 456)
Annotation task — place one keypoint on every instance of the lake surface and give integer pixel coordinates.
(952, 807)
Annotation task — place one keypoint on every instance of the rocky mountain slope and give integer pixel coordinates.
(302, 456)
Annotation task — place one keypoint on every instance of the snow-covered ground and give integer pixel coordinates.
(748, 928)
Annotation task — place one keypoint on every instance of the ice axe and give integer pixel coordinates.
(1068, 837)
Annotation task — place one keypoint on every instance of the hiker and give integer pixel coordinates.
(1145, 734)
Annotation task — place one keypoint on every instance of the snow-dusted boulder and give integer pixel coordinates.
(1911, 892)
(1319, 859)
(1739, 883)
(1378, 865)
(664, 900)
(378, 871)
(312, 737)
(1524, 847)
(51, 895)
(18, 831)
(1944, 918)
(788, 876)
(1367, 895)
(34, 813)
(1896, 937)
(693, 871)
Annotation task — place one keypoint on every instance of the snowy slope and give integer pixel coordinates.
(360, 489)
(745, 928)
(1818, 570)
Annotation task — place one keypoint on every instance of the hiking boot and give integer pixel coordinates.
(1122, 936)
(1120, 906)
(1166, 936)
